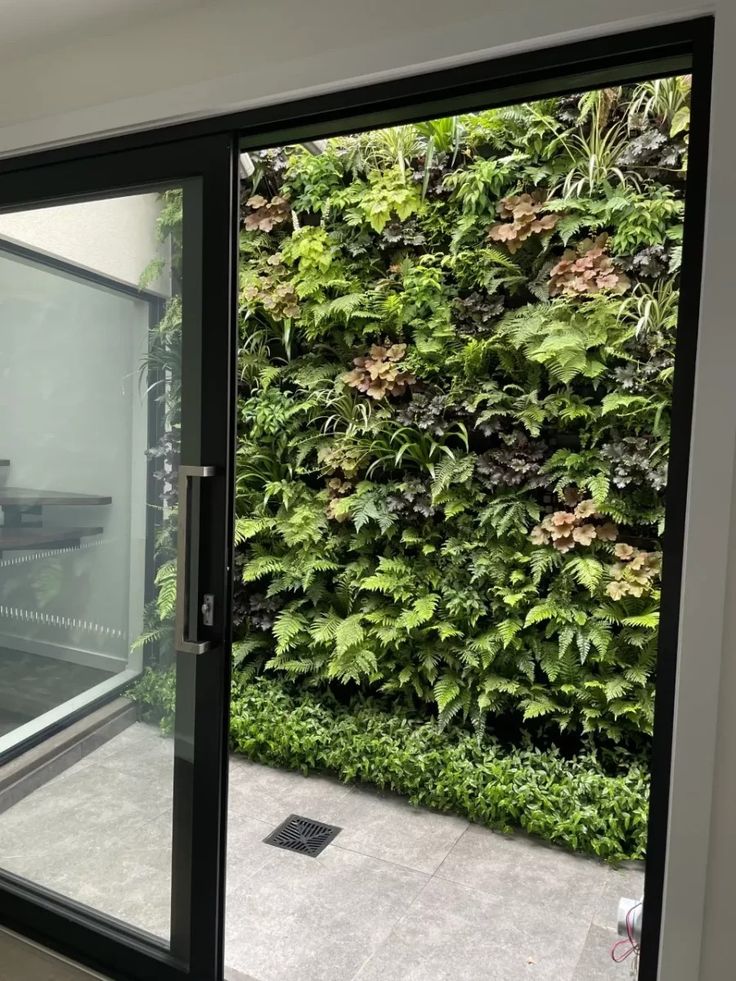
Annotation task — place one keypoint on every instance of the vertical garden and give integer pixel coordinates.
(456, 358)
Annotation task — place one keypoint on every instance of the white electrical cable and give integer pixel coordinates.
(630, 914)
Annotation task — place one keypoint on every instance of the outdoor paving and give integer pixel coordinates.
(402, 893)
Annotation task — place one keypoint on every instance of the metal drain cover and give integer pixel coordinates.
(303, 835)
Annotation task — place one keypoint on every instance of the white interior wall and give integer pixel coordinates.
(113, 236)
(215, 57)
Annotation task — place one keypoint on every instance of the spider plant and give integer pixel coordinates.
(666, 100)
(653, 309)
(393, 147)
(594, 160)
(420, 450)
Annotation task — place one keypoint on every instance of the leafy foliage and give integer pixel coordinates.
(160, 377)
(583, 802)
(446, 520)
(523, 212)
(591, 801)
(378, 374)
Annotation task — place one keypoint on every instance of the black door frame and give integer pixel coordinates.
(677, 48)
(206, 167)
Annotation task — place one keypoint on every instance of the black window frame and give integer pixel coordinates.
(682, 47)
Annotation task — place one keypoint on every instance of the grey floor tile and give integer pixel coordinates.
(232, 975)
(149, 786)
(101, 835)
(513, 865)
(140, 900)
(125, 872)
(314, 919)
(69, 812)
(246, 851)
(498, 908)
(455, 933)
(31, 782)
(271, 795)
(141, 742)
(596, 963)
(387, 827)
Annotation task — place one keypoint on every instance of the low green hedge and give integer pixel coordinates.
(577, 802)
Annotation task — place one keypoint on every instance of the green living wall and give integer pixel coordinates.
(457, 354)
(455, 367)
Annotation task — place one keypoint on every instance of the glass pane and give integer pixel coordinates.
(90, 330)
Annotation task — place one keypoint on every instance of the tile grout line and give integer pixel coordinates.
(481, 892)
(386, 861)
(456, 842)
(395, 927)
(415, 900)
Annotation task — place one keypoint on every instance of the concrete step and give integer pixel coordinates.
(20, 776)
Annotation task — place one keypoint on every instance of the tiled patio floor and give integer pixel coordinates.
(402, 894)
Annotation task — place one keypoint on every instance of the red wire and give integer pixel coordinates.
(629, 942)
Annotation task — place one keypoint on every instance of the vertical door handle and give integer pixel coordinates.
(185, 640)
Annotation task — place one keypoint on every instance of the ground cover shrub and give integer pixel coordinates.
(457, 348)
(575, 802)
(591, 802)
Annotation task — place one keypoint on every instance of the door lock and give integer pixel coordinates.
(208, 610)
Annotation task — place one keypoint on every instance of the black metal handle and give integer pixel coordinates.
(184, 642)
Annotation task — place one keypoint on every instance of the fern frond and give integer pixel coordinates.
(287, 627)
(586, 571)
(446, 690)
(421, 612)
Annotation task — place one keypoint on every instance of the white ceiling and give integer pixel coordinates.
(30, 26)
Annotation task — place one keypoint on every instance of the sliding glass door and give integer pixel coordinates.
(115, 516)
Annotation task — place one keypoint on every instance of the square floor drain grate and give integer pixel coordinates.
(303, 835)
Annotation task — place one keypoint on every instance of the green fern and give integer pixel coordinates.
(166, 579)
(421, 612)
(446, 690)
(288, 626)
(586, 571)
(418, 392)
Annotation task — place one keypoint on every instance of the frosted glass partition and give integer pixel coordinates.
(74, 433)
